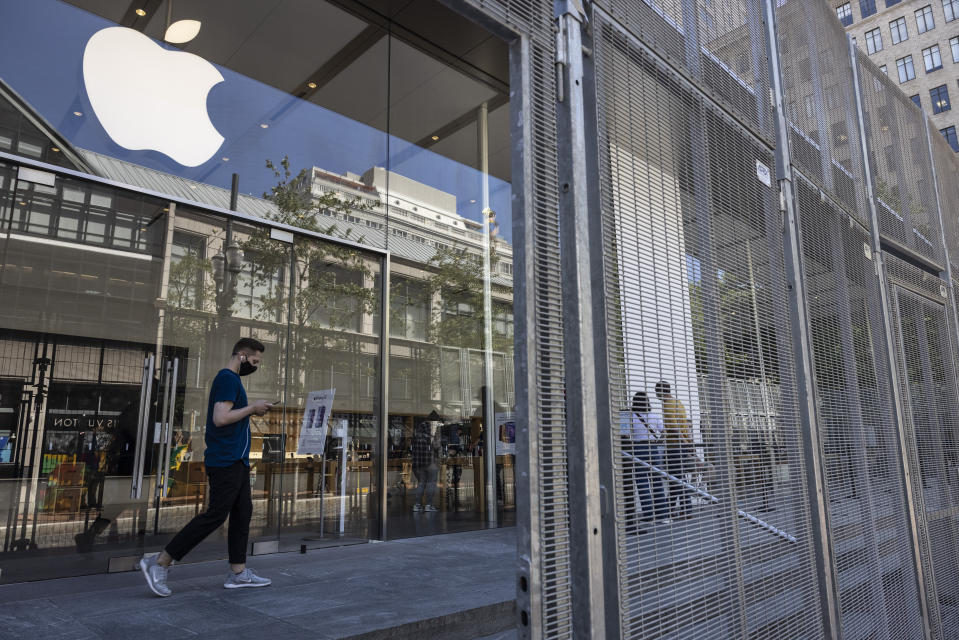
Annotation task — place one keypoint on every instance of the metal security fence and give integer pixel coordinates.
(690, 234)
(727, 208)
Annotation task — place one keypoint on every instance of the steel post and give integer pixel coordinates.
(801, 334)
(592, 535)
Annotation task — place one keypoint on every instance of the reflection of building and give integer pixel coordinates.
(430, 242)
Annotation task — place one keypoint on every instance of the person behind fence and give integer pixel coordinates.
(425, 466)
(679, 448)
(646, 432)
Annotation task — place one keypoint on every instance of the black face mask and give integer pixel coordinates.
(246, 368)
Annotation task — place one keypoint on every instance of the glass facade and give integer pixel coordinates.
(366, 154)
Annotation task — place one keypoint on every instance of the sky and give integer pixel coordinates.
(41, 55)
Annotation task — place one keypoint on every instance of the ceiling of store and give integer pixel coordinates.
(428, 79)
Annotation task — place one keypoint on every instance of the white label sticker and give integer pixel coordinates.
(762, 172)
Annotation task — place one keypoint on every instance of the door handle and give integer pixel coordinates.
(146, 393)
(166, 444)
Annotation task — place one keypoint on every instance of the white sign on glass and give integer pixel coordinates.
(319, 405)
(505, 425)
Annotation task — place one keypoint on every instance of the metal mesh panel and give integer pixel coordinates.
(900, 163)
(928, 379)
(866, 499)
(695, 292)
(947, 168)
(820, 102)
(547, 422)
(720, 44)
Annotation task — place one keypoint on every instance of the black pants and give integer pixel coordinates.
(229, 496)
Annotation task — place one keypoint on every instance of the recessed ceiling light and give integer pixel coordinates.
(311, 85)
(23, 202)
(225, 159)
(77, 113)
(182, 31)
(473, 201)
(435, 138)
(140, 12)
(264, 126)
(193, 186)
(54, 149)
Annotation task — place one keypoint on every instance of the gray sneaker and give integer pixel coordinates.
(156, 576)
(245, 578)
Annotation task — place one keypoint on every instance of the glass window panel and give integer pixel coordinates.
(951, 9)
(844, 13)
(898, 30)
(874, 40)
(924, 19)
(932, 58)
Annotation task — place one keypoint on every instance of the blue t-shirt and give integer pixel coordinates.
(229, 443)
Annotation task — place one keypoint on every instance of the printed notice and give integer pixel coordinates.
(319, 405)
(505, 424)
(762, 172)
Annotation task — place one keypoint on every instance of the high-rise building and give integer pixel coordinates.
(916, 43)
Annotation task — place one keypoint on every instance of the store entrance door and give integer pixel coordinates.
(88, 426)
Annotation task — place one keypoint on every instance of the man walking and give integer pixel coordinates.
(227, 461)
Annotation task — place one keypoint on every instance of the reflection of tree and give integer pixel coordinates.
(456, 286)
(331, 284)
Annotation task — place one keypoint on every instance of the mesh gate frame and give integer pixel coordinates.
(554, 570)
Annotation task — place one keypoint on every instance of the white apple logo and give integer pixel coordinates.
(147, 97)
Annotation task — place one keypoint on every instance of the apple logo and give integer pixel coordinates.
(147, 97)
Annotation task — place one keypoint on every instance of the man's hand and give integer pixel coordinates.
(260, 407)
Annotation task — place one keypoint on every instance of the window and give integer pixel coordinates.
(932, 58)
(188, 269)
(906, 71)
(940, 99)
(873, 41)
(844, 13)
(924, 20)
(954, 45)
(949, 133)
(915, 98)
(890, 3)
(898, 30)
(867, 8)
(951, 9)
(884, 69)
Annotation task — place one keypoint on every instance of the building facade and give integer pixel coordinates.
(537, 231)
(915, 43)
(374, 261)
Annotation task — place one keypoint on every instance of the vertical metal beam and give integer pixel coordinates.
(382, 463)
(888, 337)
(588, 530)
(808, 415)
(161, 301)
(529, 609)
(602, 369)
(489, 451)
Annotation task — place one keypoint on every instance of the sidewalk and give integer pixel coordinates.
(459, 585)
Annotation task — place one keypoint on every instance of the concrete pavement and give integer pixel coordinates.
(458, 585)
